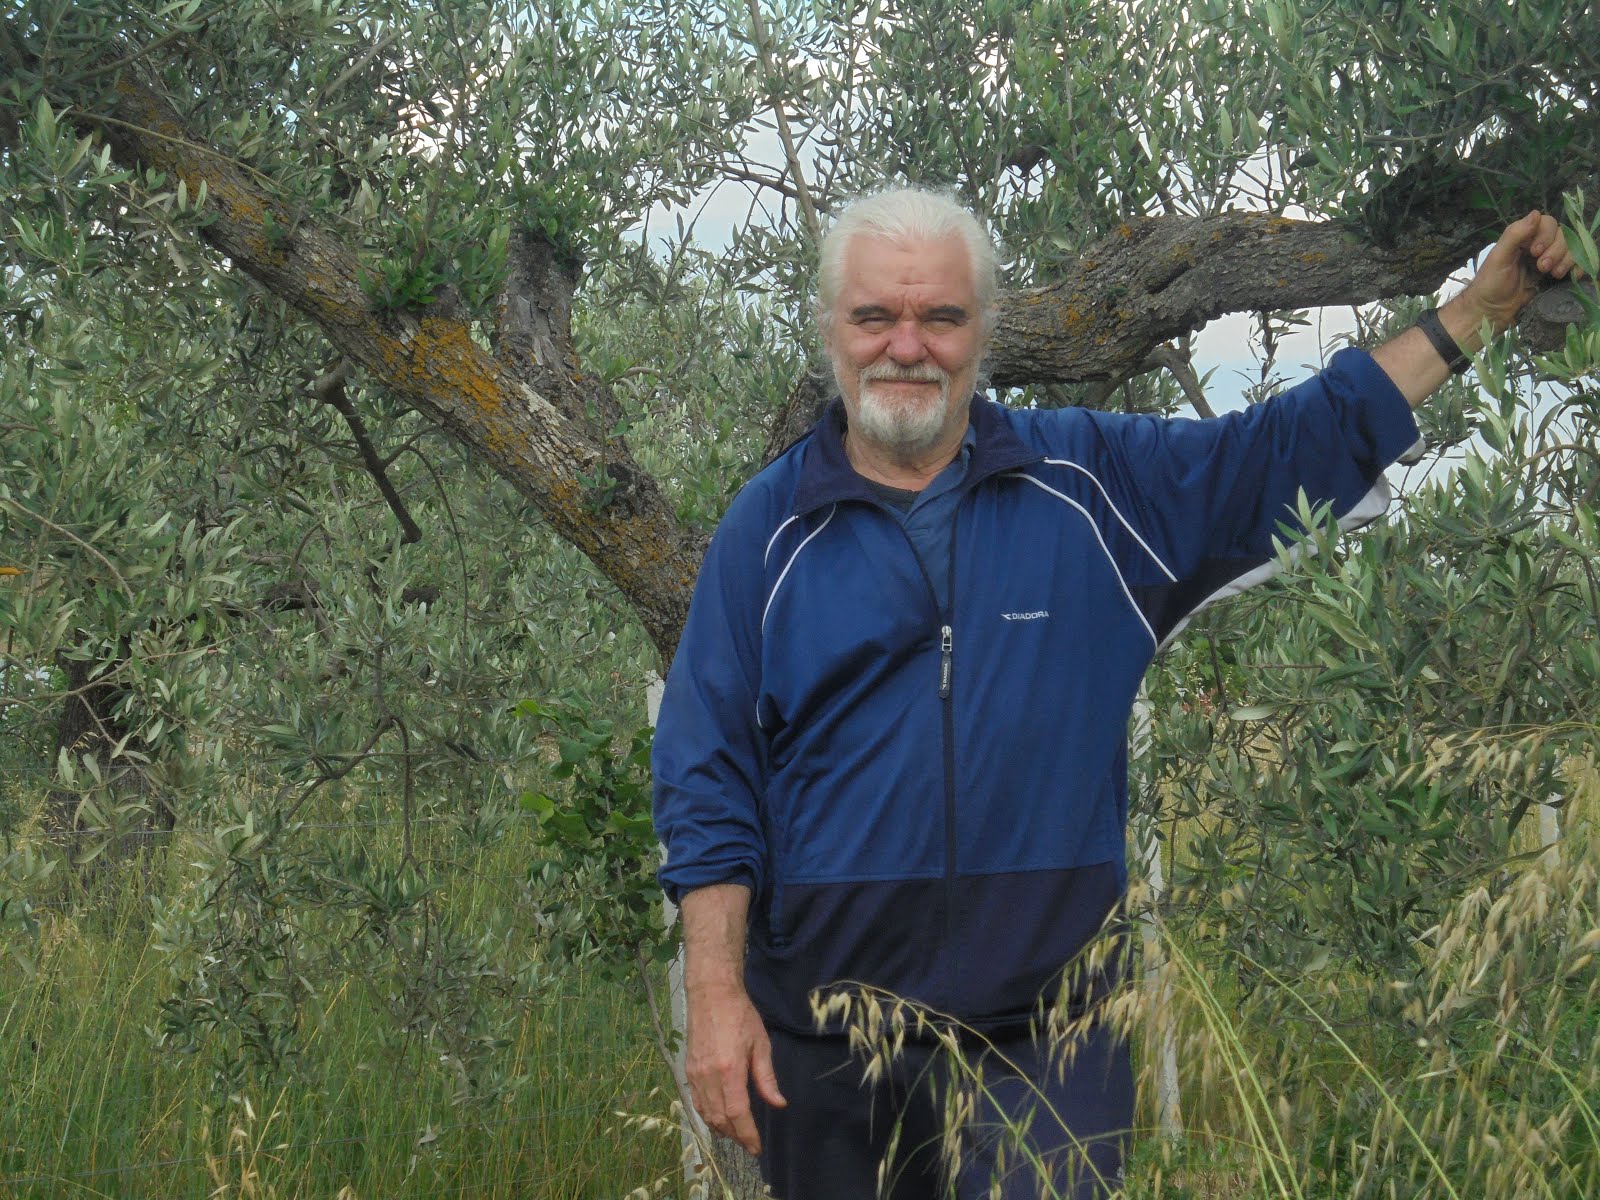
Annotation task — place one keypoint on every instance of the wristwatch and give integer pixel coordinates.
(1433, 329)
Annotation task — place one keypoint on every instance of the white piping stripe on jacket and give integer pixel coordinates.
(1132, 532)
(790, 563)
(1115, 570)
(1367, 510)
(774, 537)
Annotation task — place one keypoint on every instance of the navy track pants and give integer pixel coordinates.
(843, 1139)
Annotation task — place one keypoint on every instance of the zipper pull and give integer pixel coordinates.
(945, 640)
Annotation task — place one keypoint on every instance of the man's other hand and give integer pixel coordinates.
(727, 1048)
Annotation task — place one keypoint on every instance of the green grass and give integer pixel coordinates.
(1477, 1076)
(1475, 1072)
(94, 1107)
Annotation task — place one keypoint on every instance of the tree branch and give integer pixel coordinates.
(798, 413)
(588, 489)
(330, 389)
(1158, 278)
(533, 312)
(1181, 366)
(791, 153)
(745, 175)
(533, 332)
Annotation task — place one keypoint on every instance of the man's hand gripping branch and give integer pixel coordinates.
(1509, 277)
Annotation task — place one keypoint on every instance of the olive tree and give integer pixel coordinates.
(366, 259)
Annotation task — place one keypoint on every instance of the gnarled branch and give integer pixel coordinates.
(587, 487)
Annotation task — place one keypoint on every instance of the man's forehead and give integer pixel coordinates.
(874, 259)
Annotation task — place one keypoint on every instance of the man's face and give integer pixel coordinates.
(906, 340)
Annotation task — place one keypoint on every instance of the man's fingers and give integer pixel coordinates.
(722, 1117)
(741, 1124)
(766, 1079)
(721, 1097)
(1540, 235)
(728, 1051)
(1521, 234)
(1511, 256)
(707, 1103)
(1547, 246)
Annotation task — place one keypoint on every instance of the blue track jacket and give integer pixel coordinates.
(933, 801)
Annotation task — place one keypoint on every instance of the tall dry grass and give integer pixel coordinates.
(1475, 1074)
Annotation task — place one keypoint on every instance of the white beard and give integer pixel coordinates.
(893, 423)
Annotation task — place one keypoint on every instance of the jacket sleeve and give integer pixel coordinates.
(709, 755)
(1209, 496)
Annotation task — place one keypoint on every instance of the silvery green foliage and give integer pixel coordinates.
(118, 590)
(1370, 737)
(162, 432)
(288, 661)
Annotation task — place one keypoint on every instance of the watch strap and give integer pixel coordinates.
(1433, 329)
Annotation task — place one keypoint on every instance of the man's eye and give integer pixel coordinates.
(874, 324)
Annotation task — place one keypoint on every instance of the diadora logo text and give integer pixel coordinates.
(1027, 616)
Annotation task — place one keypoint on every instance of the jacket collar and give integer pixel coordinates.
(826, 476)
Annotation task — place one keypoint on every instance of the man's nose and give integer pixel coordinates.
(905, 343)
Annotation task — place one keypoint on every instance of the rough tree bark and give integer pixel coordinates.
(540, 438)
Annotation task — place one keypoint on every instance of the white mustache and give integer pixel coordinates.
(895, 373)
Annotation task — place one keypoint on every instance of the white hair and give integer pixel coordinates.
(906, 214)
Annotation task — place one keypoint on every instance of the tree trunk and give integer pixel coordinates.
(88, 727)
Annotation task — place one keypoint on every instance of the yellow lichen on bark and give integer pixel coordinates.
(322, 301)
(438, 362)
(168, 147)
(442, 351)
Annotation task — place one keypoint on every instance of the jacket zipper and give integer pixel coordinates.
(945, 647)
(946, 681)
(946, 618)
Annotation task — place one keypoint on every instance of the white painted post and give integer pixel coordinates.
(1550, 833)
(1157, 975)
(693, 1130)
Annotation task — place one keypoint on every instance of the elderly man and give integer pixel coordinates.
(892, 750)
